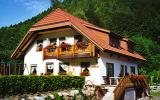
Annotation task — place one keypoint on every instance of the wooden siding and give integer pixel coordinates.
(131, 81)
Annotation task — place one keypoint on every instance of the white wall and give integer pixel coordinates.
(106, 58)
(36, 57)
(98, 65)
(96, 73)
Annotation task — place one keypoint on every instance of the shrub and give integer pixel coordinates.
(57, 96)
(30, 84)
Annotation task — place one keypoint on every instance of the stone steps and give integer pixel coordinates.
(109, 95)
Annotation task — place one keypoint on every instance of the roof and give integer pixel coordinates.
(59, 18)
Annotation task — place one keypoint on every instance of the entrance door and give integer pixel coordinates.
(110, 71)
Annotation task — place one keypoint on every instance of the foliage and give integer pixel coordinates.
(154, 77)
(150, 49)
(139, 20)
(31, 84)
(13, 34)
(48, 98)
(57, 96)
(156, 94)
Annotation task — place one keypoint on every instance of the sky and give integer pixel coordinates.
(15, 11)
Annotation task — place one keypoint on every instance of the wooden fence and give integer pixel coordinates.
(11, 68)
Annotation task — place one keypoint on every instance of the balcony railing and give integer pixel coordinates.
(112, 81)
(69, 51)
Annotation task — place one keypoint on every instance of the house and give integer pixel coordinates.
(61, 43)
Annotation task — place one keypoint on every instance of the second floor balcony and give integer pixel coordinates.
(81, 49)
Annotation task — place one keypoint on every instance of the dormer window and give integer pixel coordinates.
(114, 41)
(39, 45)
(130, 47)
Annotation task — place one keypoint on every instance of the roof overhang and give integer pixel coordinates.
(61, 19)
(31, 35)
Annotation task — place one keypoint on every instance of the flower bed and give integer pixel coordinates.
(31, 84)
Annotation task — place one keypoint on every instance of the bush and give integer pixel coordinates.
(30, 84)
(57, 96)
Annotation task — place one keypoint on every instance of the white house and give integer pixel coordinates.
(61, 43)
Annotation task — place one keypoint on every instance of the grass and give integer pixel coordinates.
(155, 93)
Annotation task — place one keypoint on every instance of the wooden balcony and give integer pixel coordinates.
(69, 51)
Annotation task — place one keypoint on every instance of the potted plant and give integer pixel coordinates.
(85, 73)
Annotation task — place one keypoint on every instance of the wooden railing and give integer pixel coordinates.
(111, 81)
(71, 52)
(11, 68)
(114, 80)
(131, 81)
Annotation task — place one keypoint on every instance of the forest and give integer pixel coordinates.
(138, 20)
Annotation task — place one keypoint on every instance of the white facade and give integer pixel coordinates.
(97, 67)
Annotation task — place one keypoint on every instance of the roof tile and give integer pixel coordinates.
(97, 35)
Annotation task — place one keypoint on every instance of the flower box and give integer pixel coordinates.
(84, 73)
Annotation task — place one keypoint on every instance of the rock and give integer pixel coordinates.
(65, 94)
(73, 92)
(59, 93)
(52, 96)
(39, 98)
(30, 97)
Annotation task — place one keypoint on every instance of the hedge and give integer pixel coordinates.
(31, 84)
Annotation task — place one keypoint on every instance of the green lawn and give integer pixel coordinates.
(155, 93)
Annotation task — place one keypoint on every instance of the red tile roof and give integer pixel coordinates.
(97, 35)
(59, 15)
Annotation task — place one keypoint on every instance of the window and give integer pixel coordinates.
(123, 71)
(114, 41)
(110, 69)
(39, 45)
(63, 67)
(53, 41)
(80, 42)
(126, 70)
(64, 46)
(84, 68)
(132, 68)
(34, 69)
(62, 40)
(49, 68)
(78, 38)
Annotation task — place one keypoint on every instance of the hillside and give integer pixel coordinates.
(138, 20)
(10, 36)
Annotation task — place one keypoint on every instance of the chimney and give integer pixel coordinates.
(124, 43)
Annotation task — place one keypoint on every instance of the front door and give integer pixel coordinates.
(110, 71)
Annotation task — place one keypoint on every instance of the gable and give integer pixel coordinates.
(61, 19)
